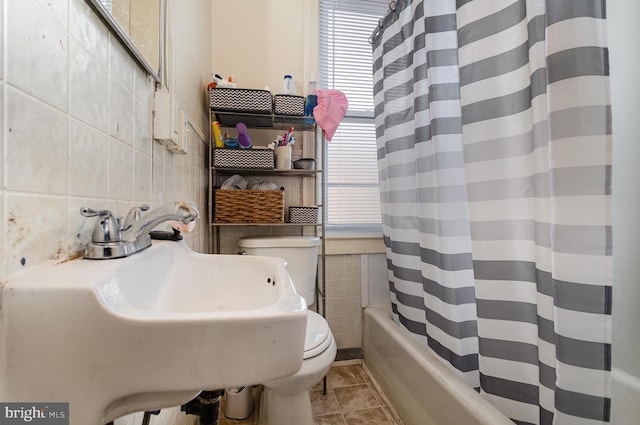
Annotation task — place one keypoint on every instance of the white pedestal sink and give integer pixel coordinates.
(147, 331)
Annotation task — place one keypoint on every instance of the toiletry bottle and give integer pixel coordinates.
(217, 136)
(312, 99)
(213, 83)
(288, 87)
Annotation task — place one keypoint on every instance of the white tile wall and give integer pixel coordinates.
(120, 169)
(37, 52)
(142, 127)
(76, 130)
(88, 87)
(142, 179)
(37, 229)
(375, 285)
(85, 27)
(121, 115)
(36, 145)
(59, 10)
(88, 170)
(120, 65)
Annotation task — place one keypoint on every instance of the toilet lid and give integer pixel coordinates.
(317, 338)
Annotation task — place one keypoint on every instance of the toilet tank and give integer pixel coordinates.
(300, 253)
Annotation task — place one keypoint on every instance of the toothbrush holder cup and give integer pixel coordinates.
(283, 157)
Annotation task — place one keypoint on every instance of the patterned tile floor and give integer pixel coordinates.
(351, 399)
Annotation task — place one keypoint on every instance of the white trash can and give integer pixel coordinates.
(239, 403)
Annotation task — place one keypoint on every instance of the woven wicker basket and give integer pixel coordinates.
(249, 206)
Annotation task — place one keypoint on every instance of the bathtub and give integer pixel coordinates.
(419, 387)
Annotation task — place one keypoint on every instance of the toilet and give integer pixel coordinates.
(286, 401)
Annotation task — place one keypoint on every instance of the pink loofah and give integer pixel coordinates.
(332, 106)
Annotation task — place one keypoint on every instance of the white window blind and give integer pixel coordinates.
(353, 198)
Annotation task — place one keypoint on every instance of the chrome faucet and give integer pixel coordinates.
(134, 215)
(111, 240)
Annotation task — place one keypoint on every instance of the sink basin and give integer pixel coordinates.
(147, 331)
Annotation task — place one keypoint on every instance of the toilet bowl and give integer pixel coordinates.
(286, 401)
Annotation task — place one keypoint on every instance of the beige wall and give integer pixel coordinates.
(190, 57)
(262, 40)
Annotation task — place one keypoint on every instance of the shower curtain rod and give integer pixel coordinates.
(378, 28)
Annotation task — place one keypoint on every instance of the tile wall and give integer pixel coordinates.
(76, 130)
(343, 298)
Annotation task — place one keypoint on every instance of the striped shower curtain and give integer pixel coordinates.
(494, 149)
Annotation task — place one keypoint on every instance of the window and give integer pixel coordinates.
(346, 65)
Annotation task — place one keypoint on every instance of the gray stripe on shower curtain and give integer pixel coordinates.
(493, 127)
(439, 266)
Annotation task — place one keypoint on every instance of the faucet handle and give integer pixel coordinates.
(90, 212)
(107, 228)
(134, 215)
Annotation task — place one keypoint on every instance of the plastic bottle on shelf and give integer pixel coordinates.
(312, 99)
(217, 137)
(288, 87)
(312, 88)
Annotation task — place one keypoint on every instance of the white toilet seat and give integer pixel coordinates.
(286, 401)
(317, 336)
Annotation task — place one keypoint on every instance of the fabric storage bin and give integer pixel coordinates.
(241, 100)
(230, 119)
(248, 206)
(303, 215)
(285, 104)
(243, 158)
